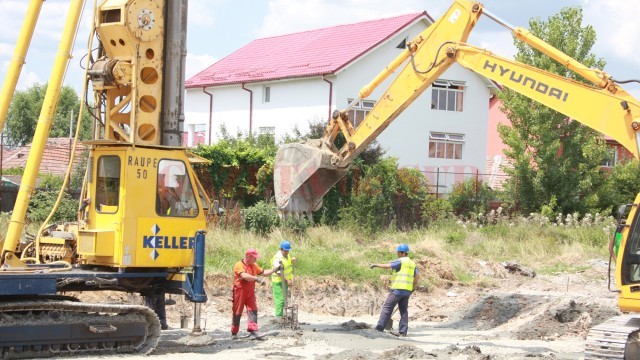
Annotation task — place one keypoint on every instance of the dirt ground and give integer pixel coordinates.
(510, 314)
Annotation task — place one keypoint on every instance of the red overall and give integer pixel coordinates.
(244, 296)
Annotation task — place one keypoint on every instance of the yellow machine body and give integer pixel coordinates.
(144, 208)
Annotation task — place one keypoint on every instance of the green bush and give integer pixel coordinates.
(42, 202)
(621, 186)
(470, 196)
(410, 197)
(241, 166)
(295, 226)
(434, 209)
(372, 201)
(385, 197)
(261, 218)
(456, 237)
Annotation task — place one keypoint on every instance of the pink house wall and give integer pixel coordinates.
(495, 146)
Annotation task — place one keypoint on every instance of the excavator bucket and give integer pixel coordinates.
(302, 174)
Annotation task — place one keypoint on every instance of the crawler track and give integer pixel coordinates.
(53, 328)
(614, 339)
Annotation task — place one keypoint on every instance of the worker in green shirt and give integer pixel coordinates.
(284, 262)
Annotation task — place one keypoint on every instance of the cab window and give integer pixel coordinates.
(175, 195)
(108, 184)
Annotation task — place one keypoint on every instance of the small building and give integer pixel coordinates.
(497, 160)
(55, 158)
(274, 84)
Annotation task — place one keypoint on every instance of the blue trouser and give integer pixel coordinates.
(387, 310)
(156, 303)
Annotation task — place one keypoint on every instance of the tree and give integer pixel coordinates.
(553, 155)
(24, 112)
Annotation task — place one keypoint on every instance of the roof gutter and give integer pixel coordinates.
(330, 95)
(250, 109)
(204, 90)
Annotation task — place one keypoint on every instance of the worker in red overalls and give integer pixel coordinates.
(246, 272)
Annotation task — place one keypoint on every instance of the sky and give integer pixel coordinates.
(216, 28)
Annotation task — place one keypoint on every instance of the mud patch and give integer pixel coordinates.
(353, 325)
(493, 311)
(568, 319)
(349, 355)
(406, 352)
(279, 355)
(471, 352)
(398, 353)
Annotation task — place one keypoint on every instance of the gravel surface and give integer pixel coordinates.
(509, 316)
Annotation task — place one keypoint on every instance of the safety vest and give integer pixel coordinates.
(403, 278)
(288, 269)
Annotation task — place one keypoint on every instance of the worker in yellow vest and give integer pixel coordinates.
(284, 262)
(403, 281)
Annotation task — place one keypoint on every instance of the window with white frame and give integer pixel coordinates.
(359, 111)
(445, 145)
(447, 95)
(266, 94)
(612, 156)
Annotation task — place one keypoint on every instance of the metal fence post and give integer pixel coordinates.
(437, 183)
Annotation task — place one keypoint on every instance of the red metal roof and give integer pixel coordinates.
(308, 53)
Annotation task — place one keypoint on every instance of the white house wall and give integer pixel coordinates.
(293, 103)
(298, 102)
(407, 137)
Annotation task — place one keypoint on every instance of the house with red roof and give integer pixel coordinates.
(55, 158)
(273, 84)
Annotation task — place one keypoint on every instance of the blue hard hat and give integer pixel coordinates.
(403, 248)
(285, 245)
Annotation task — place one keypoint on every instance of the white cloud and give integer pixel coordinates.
(498, 42)
(11, 15)
(287, 16)
(6, 49)
(617, 27)
(197, 63)
(27, 79)
(201, 13)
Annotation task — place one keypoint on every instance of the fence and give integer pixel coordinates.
(9, 194)
(442, 182)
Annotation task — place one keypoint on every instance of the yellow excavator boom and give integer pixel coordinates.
(304, 172)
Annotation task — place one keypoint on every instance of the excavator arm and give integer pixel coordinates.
(304, 172)
(614, 114)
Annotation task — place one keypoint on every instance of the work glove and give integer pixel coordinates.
(260, 280)
(371, 266)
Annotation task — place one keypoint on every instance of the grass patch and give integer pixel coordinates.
(345, 254)
(562, 268)
(463, 275)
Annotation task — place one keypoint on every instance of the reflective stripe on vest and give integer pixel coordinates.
(288, 269)
(403, 278)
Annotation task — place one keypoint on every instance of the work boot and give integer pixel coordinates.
(256, 335)
(164, 326)
(234, 336)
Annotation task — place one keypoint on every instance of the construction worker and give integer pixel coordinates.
(246, 273)
(284, 263)
(403, 281)
(157, 303)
